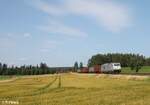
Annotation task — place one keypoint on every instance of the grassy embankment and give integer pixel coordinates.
(76, 89)
(5, 77)
(144, 69)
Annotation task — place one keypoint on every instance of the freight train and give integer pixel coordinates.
(104, 68)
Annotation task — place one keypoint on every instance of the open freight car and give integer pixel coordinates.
(94, 69)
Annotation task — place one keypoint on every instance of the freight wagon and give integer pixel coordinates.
(95, 69)
(83, 70)
(105, 68)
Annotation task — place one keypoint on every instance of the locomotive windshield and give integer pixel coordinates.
(117, 64)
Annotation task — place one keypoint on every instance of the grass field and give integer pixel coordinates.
(75, 89)
(5, 77)
(144, 69)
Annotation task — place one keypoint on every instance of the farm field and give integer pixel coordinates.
(144, 69)
(76, 89)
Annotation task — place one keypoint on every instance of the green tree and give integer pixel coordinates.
(76, 66)
(4, 72)
(136, 62)
(147, 62)
(44, 68)
(81, 65)
(124, 59)
(1, 68)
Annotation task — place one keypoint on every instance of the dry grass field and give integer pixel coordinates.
(76, 89)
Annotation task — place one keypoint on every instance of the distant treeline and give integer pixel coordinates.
(31, 70)
(126, 60)
(134, 61)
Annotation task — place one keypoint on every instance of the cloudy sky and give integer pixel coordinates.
(60, 32)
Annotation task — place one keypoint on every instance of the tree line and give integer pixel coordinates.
(26, 69)
(134, 61)
(77, 66)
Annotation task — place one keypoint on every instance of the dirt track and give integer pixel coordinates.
(9, 80)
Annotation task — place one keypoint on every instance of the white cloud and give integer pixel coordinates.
(23, 59)
(60, 28)
(9, 34)
(27, 35)
(50, 44)
(44, 50)
(110, 14)
(7, 43)
(47, 45)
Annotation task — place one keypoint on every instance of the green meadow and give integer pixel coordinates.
(144, 69)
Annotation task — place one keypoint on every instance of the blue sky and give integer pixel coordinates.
(60, 32)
